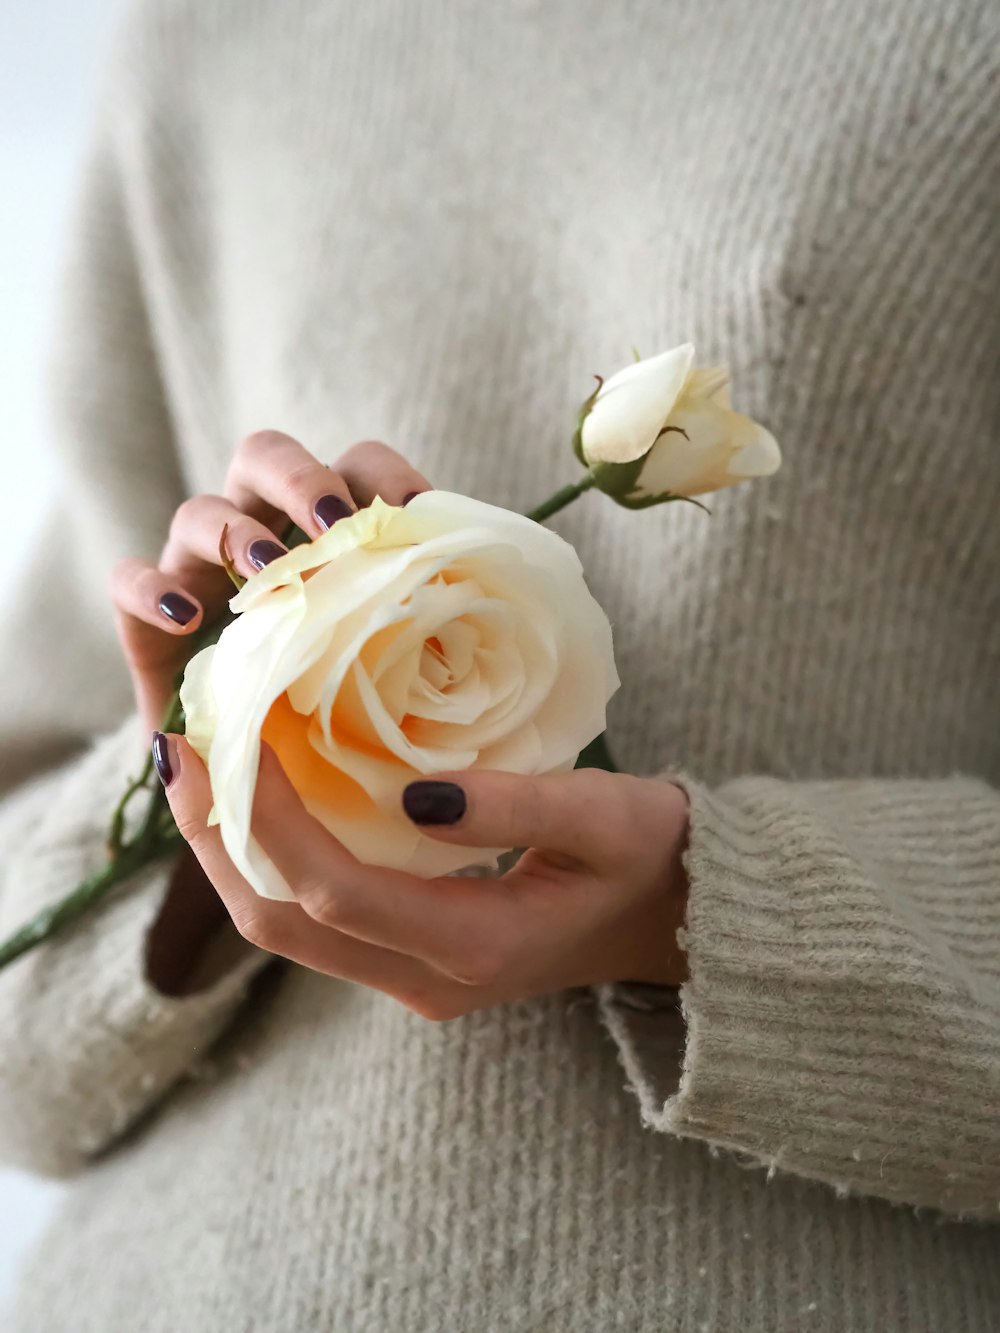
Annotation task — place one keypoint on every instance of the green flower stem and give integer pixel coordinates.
(597, 754)
(561, 499)
(51, 920)
(157, 835)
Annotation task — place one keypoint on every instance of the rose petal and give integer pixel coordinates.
(632, 406)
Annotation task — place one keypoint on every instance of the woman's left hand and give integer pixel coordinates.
(598, 896)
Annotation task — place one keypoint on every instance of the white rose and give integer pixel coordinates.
(674, 429)
(448, 634)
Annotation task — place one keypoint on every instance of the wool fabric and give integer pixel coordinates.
(430, 222)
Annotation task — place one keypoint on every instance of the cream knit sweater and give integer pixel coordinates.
(430, 221)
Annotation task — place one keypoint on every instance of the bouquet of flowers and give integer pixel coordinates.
(445, 634)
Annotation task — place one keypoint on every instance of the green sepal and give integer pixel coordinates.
(620, 481)
(647, 501)
(617, 479)
(581, 417)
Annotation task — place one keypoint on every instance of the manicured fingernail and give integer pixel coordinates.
(262, 552)
(161, 758)
(330, 509)
(434, 802)
(409, 496)
(178, 608)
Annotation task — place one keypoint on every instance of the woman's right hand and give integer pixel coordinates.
(273, 480)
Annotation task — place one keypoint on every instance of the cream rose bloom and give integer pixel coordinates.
(448, 634)
(675, 427)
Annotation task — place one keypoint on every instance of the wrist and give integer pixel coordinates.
(660, 959)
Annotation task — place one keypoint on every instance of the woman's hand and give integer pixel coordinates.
(598, 896)
(272, 480)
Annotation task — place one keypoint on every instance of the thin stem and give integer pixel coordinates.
(53, 919)
(561, 499)
(140, 783)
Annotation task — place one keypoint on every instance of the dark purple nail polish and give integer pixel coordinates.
(262, 552)
(161, 758)
(178, 608)
(330, 509)
(409, 496)
(434, 802)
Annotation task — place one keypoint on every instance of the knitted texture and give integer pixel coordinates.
(430, 223)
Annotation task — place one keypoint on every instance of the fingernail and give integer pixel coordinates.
(161, 758)
(262, 552)
(330, 509)
(434, 802)
(409, 496)
(178, 608)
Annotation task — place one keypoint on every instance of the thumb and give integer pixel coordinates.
(584, 814)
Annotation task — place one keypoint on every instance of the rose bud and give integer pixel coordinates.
(659, 430)
(446, 635)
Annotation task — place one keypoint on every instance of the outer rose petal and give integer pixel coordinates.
(201, 717)
(633, 405)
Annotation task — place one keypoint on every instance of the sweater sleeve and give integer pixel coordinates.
(86, 1043)
(841, 1020)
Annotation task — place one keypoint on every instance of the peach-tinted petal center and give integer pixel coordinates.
(313, 777)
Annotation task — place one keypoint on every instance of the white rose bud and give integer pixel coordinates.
(659, 430)
(445, 635)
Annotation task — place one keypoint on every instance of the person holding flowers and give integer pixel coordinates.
(551, 913)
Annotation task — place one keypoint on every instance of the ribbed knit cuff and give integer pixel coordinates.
(810, 1036)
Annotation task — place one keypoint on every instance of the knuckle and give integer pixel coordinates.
(301, 480)
(252, 928)
(527, 802)
(324, 903)
(436, 1008)
(189, 825)
(483, 965)
(186, 514)
(259, 442)
(124, 575)
(365, 450)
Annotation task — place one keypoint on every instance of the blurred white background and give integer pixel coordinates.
(51, 52)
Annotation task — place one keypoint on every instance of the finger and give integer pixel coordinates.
(586, 816)
(193, 552)
(154, 614)
(279, 927)
(272, 474)
(452, 924)
(372, 468)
